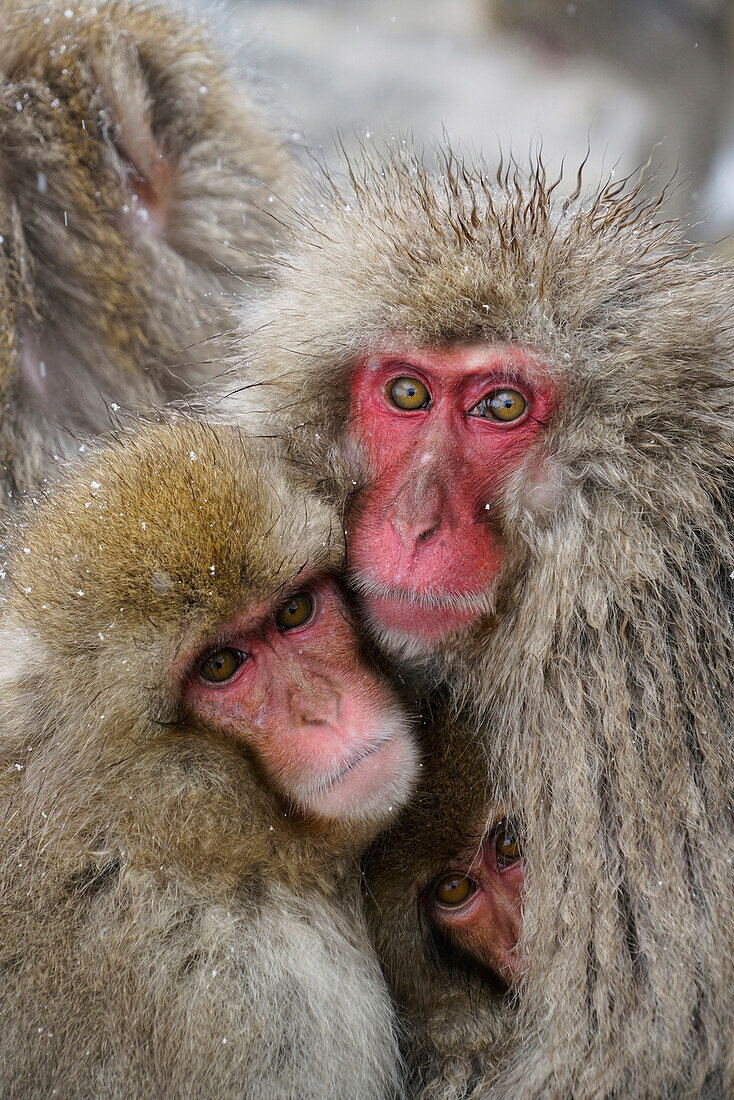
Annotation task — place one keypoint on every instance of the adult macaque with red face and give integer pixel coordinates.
(192, 753)
(524, 410)
(441, 432)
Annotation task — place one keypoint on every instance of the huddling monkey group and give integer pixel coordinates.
(366, 603)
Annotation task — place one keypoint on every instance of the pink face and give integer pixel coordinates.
(441, 431)
(476, 903)
(286, 681)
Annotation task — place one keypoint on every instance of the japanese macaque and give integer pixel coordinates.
(457, 866)
(524, 410)
(192, 753)
(136, 198)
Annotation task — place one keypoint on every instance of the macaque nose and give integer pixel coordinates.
(416, 513)
(315, 705)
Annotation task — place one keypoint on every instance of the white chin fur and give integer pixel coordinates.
(378, 797)
(402, 646)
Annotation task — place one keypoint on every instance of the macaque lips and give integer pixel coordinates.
(420, 618)
(285, 680)
(382, 766)
(441, 429)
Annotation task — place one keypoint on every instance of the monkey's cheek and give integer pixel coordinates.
(487, 928)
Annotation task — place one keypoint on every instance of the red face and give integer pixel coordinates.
(285, 680)
(441, 431)
(476, 904)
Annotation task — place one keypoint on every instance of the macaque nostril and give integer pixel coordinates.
(412, 527)
(428, 532)
(317, 709)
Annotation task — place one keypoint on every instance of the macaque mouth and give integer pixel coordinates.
(475, 603)
(370, 781)
(420, 617)
(327, 783)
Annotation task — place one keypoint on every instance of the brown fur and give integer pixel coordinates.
(601, 685)
(98, 307)
(457, 1020)
(168, 927)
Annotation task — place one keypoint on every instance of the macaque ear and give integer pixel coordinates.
(125, 96)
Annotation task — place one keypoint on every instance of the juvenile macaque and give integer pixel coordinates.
(454, 861)
(524, 410)
(136, 192)
(192, 753)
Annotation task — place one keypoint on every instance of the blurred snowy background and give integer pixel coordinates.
(629, 77)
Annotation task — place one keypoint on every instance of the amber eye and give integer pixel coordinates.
(453, 889)
(507, 845)
(502, 405)
(294, 612)
(221, 665)
(409, 393)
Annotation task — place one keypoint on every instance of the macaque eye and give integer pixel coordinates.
(221, 665)
(453, 889)
(409, 393)
(502, 405)
(294, 612)
(507, 845)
